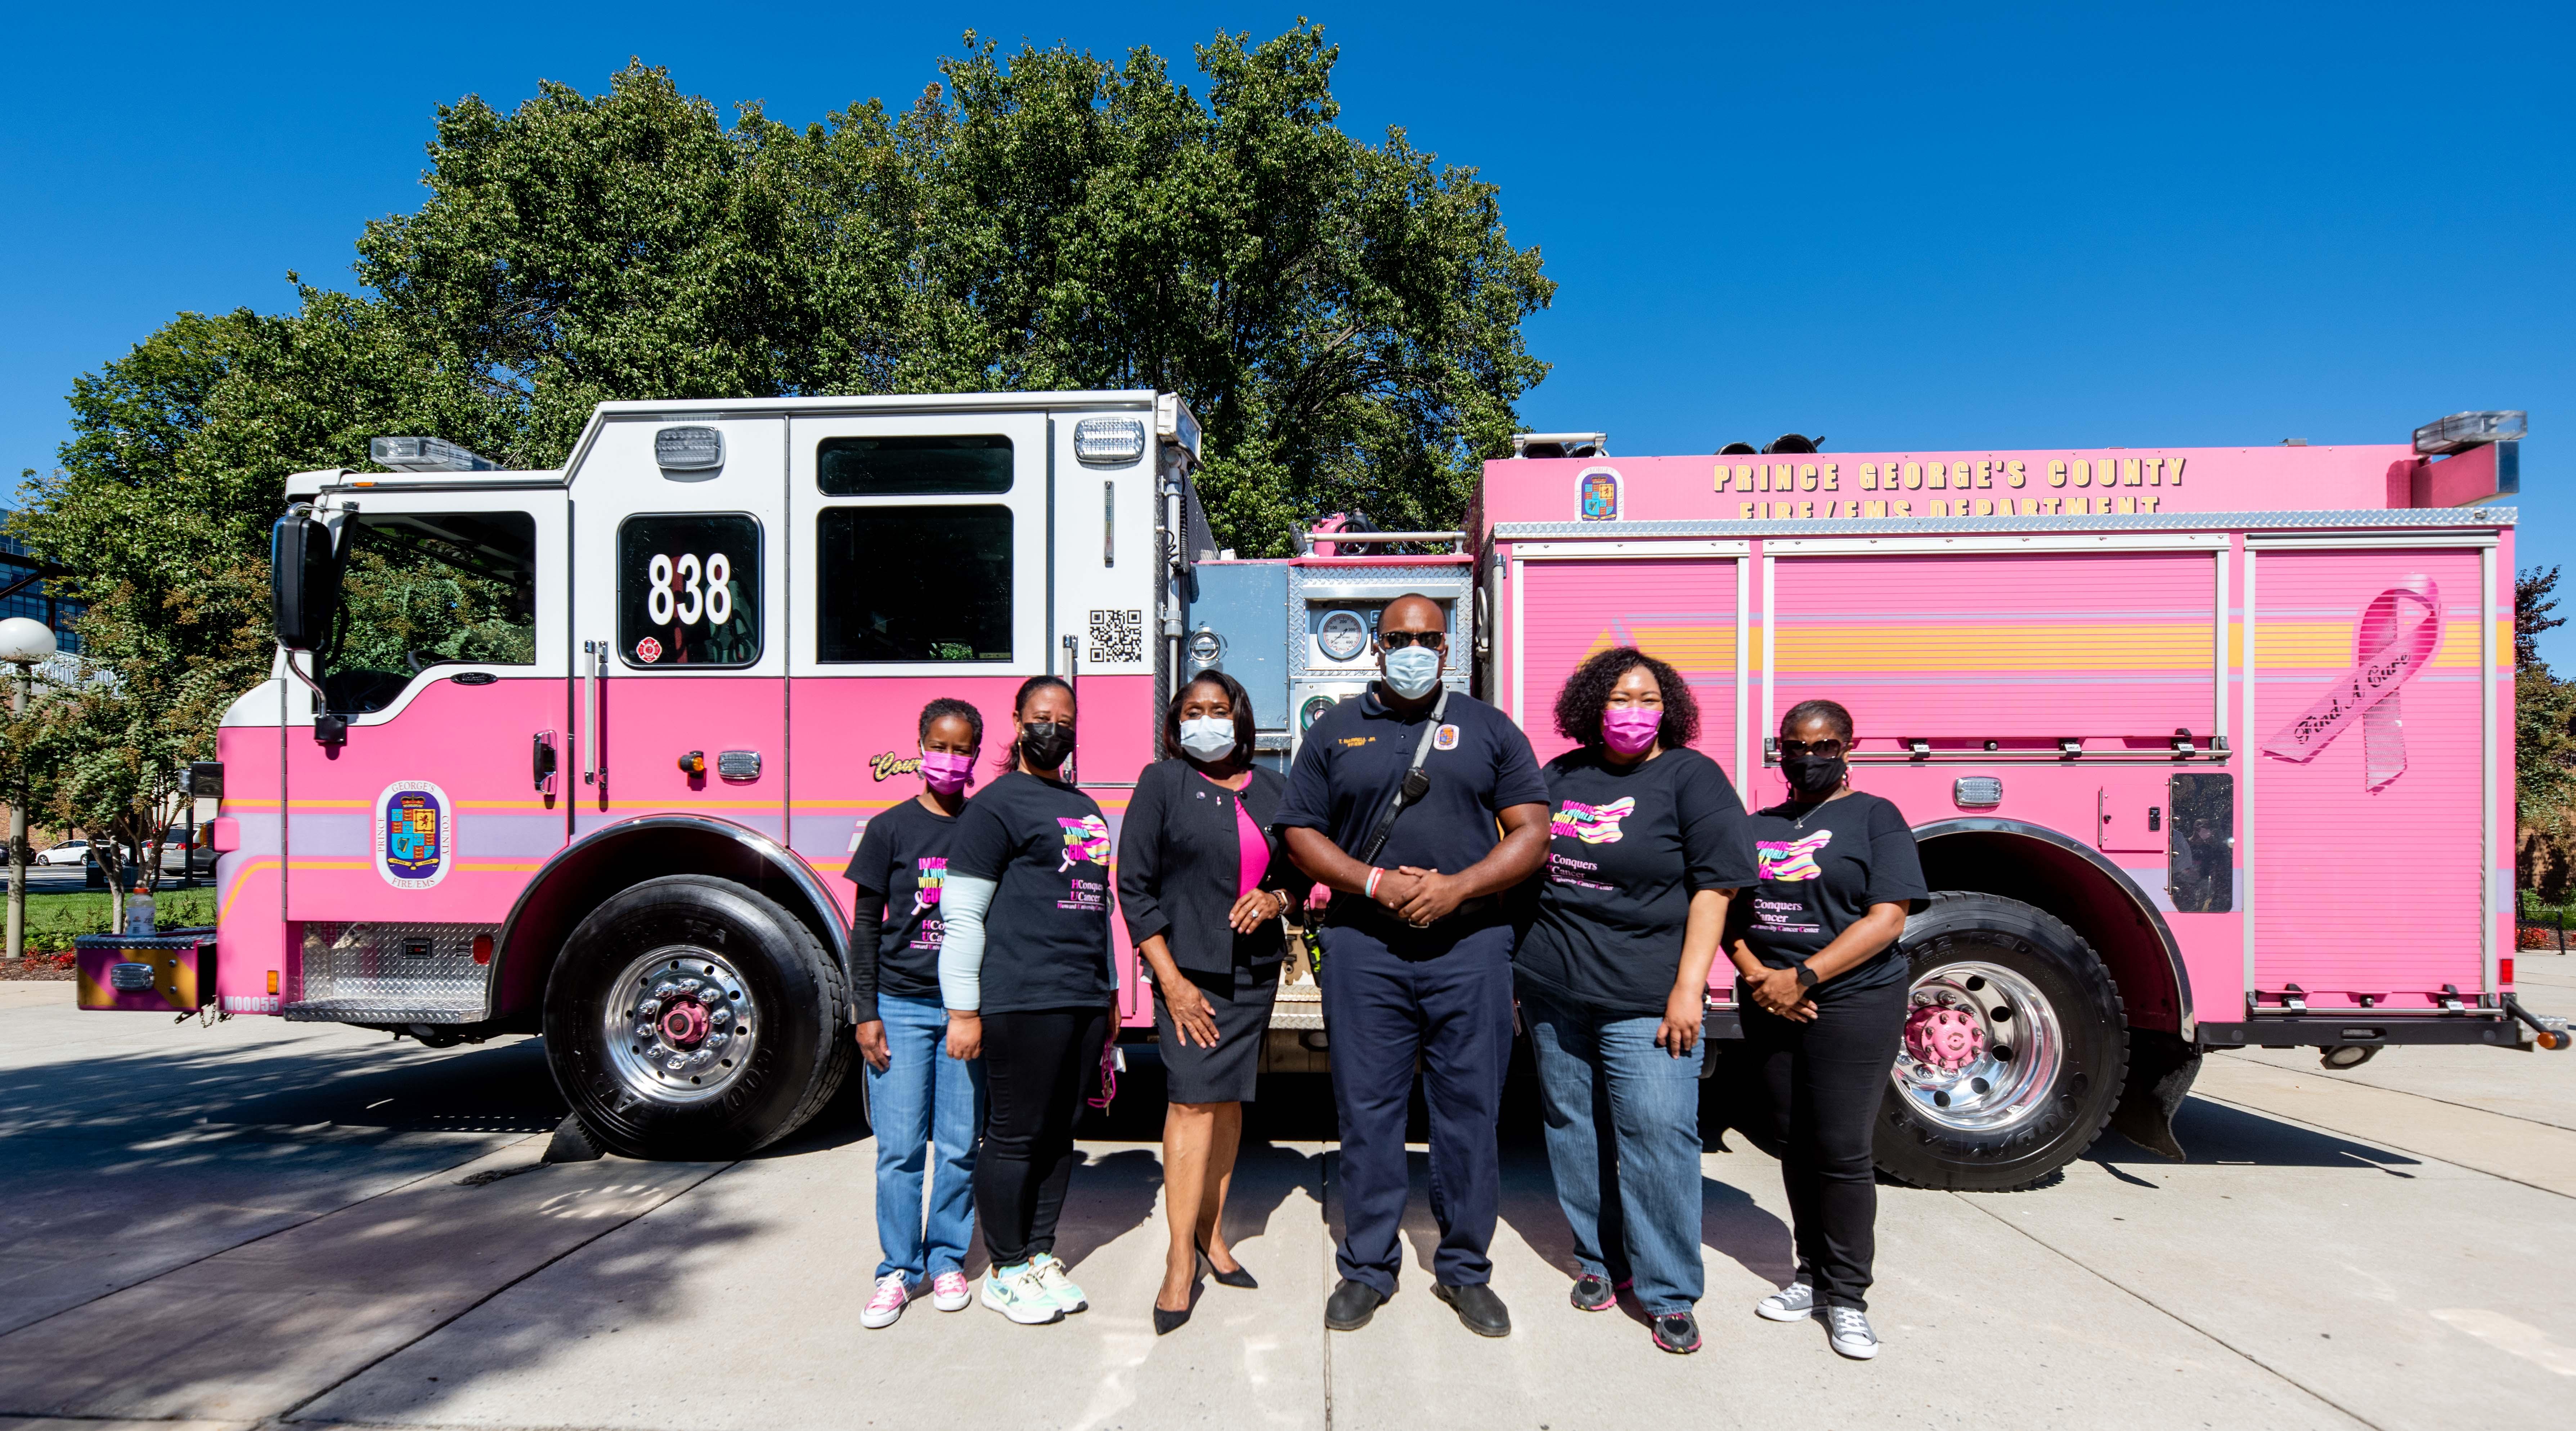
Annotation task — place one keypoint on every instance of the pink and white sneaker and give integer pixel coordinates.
(882, 1309)
(949, 1291)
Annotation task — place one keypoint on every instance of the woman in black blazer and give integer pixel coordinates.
(1202, 880)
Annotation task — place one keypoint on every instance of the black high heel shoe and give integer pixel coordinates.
(1165, 1323)
(1240, 1277)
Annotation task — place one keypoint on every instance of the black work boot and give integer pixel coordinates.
(1351, 1306)
(1478, 1307)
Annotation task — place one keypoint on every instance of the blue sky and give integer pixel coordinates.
(1895, 226)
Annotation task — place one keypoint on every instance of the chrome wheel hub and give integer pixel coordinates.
(680, 1025)
(1982, 1048)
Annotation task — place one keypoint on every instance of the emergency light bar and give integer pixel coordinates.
(1560, 444)
(1111, 441)
(426, 454)
(2463, 430)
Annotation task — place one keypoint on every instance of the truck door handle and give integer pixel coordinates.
(543, 759)
(594, 762)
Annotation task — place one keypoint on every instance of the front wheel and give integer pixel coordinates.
(692, 1017)
(2015, 1048)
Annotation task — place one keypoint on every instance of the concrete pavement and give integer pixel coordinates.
(272, 1223)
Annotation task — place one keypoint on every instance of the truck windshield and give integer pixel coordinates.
(420, 589)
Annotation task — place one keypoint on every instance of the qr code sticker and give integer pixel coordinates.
(1116, 637)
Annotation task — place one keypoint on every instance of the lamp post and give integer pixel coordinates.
(23, 643)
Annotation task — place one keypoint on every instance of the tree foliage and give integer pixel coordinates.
(1344, 316)
(2544, 745)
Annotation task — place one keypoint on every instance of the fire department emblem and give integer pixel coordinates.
(415, 834)
(1599, 493)
(648, 650)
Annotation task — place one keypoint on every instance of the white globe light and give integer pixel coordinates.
(25, 641)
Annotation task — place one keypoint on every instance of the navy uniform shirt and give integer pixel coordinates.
(1351, 767)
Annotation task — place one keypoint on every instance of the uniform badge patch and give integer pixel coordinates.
(1445, 738)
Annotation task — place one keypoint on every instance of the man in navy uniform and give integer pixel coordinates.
(1417, 952)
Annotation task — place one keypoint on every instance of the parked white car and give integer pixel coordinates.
(69, 852)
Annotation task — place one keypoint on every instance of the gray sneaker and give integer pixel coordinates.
(1793, 1303)
(1849, 1332)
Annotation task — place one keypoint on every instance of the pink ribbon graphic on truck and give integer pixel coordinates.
(2388, 650)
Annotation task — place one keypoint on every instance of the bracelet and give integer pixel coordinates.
(1374, 872)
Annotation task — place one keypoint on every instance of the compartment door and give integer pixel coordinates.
(1683, 610)
(2366, 848)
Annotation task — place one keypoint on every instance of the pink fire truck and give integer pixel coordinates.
(2207, 748)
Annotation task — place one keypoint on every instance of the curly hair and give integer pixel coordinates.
(1235, 696)
(947, 706)
(1587, 693)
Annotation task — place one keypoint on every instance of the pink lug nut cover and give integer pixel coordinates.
(1946, 1039)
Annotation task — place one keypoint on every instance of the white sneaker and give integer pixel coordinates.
(949, 1292)
(882, 1309)
(1850, 1333)
(1051, 1275)
(1793, 1303)
(1016, 1293)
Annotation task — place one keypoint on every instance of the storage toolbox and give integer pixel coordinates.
(172, 973)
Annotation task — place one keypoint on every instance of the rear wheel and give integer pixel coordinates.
(691, 1017)
(2015, 1048)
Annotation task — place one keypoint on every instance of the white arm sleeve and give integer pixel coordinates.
(962, 902)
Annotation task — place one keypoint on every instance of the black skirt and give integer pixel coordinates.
(1240, 1002)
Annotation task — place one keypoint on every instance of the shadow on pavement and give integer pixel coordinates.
(2216, 1134)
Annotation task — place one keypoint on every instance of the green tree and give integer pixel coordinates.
(2544, 745)
(1345, 316)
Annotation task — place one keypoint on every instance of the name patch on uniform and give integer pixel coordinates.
(415, 834)
(1445, 738)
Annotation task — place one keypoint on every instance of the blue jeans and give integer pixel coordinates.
(1623, 1143)
(924, 1097)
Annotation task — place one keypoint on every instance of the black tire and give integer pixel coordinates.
(749, 955)
(2017, 1143)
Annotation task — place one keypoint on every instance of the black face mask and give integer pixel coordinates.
(1045, 743)
(1813, 776)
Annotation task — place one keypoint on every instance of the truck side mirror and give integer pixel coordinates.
(303, 581)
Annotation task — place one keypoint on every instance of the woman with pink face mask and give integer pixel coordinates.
(918, 1097)
(1648, 842)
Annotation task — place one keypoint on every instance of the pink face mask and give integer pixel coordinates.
(1630, 729)
(946, 773)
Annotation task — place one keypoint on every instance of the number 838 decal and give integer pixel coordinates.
(676, 594)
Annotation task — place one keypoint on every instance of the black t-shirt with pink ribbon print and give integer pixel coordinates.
(1628, 846)
(1820, 869)
(1046, 935)
(899, 867)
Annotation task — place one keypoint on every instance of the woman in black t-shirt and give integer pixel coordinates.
(1024, 970)
(1647, 844)
(1826, 988)
(918, 1096)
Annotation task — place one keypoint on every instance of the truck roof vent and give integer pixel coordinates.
(2463, 430)
(1560, 444)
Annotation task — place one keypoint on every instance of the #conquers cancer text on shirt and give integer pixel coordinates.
(1819, 869)
(1628, 847)
(1046, 936)
(901, 863)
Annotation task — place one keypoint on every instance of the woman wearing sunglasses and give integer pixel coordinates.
(1825, 988)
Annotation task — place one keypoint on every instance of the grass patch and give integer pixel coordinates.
(55, 920)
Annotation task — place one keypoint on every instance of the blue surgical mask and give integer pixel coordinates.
(1211, 738)
(1412, 671)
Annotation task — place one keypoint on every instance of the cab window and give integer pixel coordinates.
(420, 589)
(688, 591)
(971, 463)
(913, 584)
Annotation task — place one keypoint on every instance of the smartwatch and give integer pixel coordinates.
(1806, 976)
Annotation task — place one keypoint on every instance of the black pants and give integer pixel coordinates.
(1037, 1066)
(1454, 1011)
(1825, 1082)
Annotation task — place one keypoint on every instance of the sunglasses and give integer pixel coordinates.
(1826, 748)
(1398, 640)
